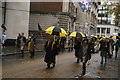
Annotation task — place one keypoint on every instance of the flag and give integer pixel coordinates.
(82, 6)
(89, 5)
(85, 5)
(39, 28)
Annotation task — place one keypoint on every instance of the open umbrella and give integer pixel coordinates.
(94, 37)
(115, 37)
(56, 31)
(77, 34)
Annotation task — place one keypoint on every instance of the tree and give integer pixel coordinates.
(115, 9)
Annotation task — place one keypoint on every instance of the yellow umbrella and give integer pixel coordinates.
(77, 34)
(115, 37)
(56, 31)
(94, 36)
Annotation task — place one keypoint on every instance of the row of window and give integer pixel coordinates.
(104, 21)
(104, 15)
(103, 30)
(105, 8)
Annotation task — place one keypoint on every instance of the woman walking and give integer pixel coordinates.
(78, 50)
(103, 49)
(31, 47)
(51, 52)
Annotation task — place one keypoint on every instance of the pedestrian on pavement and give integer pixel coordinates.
(18, 40)
(78, 49)
(108, 47)
(93, 43)
(117, 45)
(62, 43)
(4, 38)
(70, 45)
(103, 50)
(51, 52)
(87, 49)
(31, 47)
(111, 46)
(22, 44)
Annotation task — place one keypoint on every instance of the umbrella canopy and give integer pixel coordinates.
(77, 34)
(115, 37)
(94, 36)
(56, 31)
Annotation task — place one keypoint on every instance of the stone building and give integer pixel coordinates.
(86, 22)
(51, 14)
(25, 16)
(15, 15)
(106, 25)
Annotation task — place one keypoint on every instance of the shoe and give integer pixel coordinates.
(83, 73)
(53, 66)
(77, 60)
(101, 62)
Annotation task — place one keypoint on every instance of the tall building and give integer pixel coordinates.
(15, 16)
(106, 26)
(86, 22)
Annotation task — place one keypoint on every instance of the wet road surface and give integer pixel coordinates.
(66, 67)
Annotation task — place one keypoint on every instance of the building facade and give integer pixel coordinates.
(86, 22)
(106, 26)
(15, 16)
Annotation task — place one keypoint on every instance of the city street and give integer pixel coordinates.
(14, 66)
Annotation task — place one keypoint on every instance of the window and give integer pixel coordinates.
(101, 15)
(99, 21)
(104, 21)
(103, 30)
(108, 30)
(98, 30)
(109, 21)
(109, 16)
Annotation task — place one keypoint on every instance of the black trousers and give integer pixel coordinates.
(22, 53)
(103, 58)
(84, 68)
(116, 51)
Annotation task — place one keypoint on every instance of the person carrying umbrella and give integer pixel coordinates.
(51, 46)
(78, 49)
(78, 44)
(117, 45)
(103, 49)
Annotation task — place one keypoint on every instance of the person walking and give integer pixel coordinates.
(18, 40)
(4, 38)
(70, 45)
(87, 48)
(78, 50)
(103, 49)
(117, 45)
(22, 44)
(31, 47)
(51, 52)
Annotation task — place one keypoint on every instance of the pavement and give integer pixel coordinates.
(66, 67)
(12, 50)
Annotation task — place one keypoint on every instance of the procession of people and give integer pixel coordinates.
(77, 42)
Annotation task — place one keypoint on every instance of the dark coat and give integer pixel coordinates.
(78, 50)
(87, 55)
(103, 48)
(51, 52)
